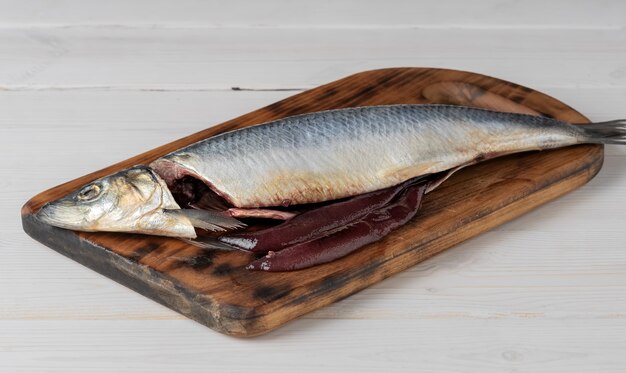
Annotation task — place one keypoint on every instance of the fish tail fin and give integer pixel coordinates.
(217, 221)
(611, 132)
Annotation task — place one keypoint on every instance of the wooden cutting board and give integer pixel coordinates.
(216, 290)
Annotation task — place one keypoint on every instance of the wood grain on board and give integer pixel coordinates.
(214, 288)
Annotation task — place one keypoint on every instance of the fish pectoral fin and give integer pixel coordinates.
(211, 243)
(217, 221)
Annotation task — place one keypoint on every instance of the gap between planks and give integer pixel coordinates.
(182, 88)
(252, 27)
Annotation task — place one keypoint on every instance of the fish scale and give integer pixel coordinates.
(333, 154)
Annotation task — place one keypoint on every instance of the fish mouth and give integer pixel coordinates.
(61, 214)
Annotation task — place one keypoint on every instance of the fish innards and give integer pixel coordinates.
(312, 188)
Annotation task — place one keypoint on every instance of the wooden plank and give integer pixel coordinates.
(301, 14)
(434, 345)
(181, 59)
(215, 289)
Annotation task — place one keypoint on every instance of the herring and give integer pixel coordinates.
(309, 158)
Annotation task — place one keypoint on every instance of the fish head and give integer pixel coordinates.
(135, 200)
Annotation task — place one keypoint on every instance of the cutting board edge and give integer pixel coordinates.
(128, 273)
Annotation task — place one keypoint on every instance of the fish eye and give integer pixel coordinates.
(88, 193)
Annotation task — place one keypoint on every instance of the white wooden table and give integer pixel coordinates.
(84, 84)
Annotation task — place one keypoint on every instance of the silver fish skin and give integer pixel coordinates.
(339, 153)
